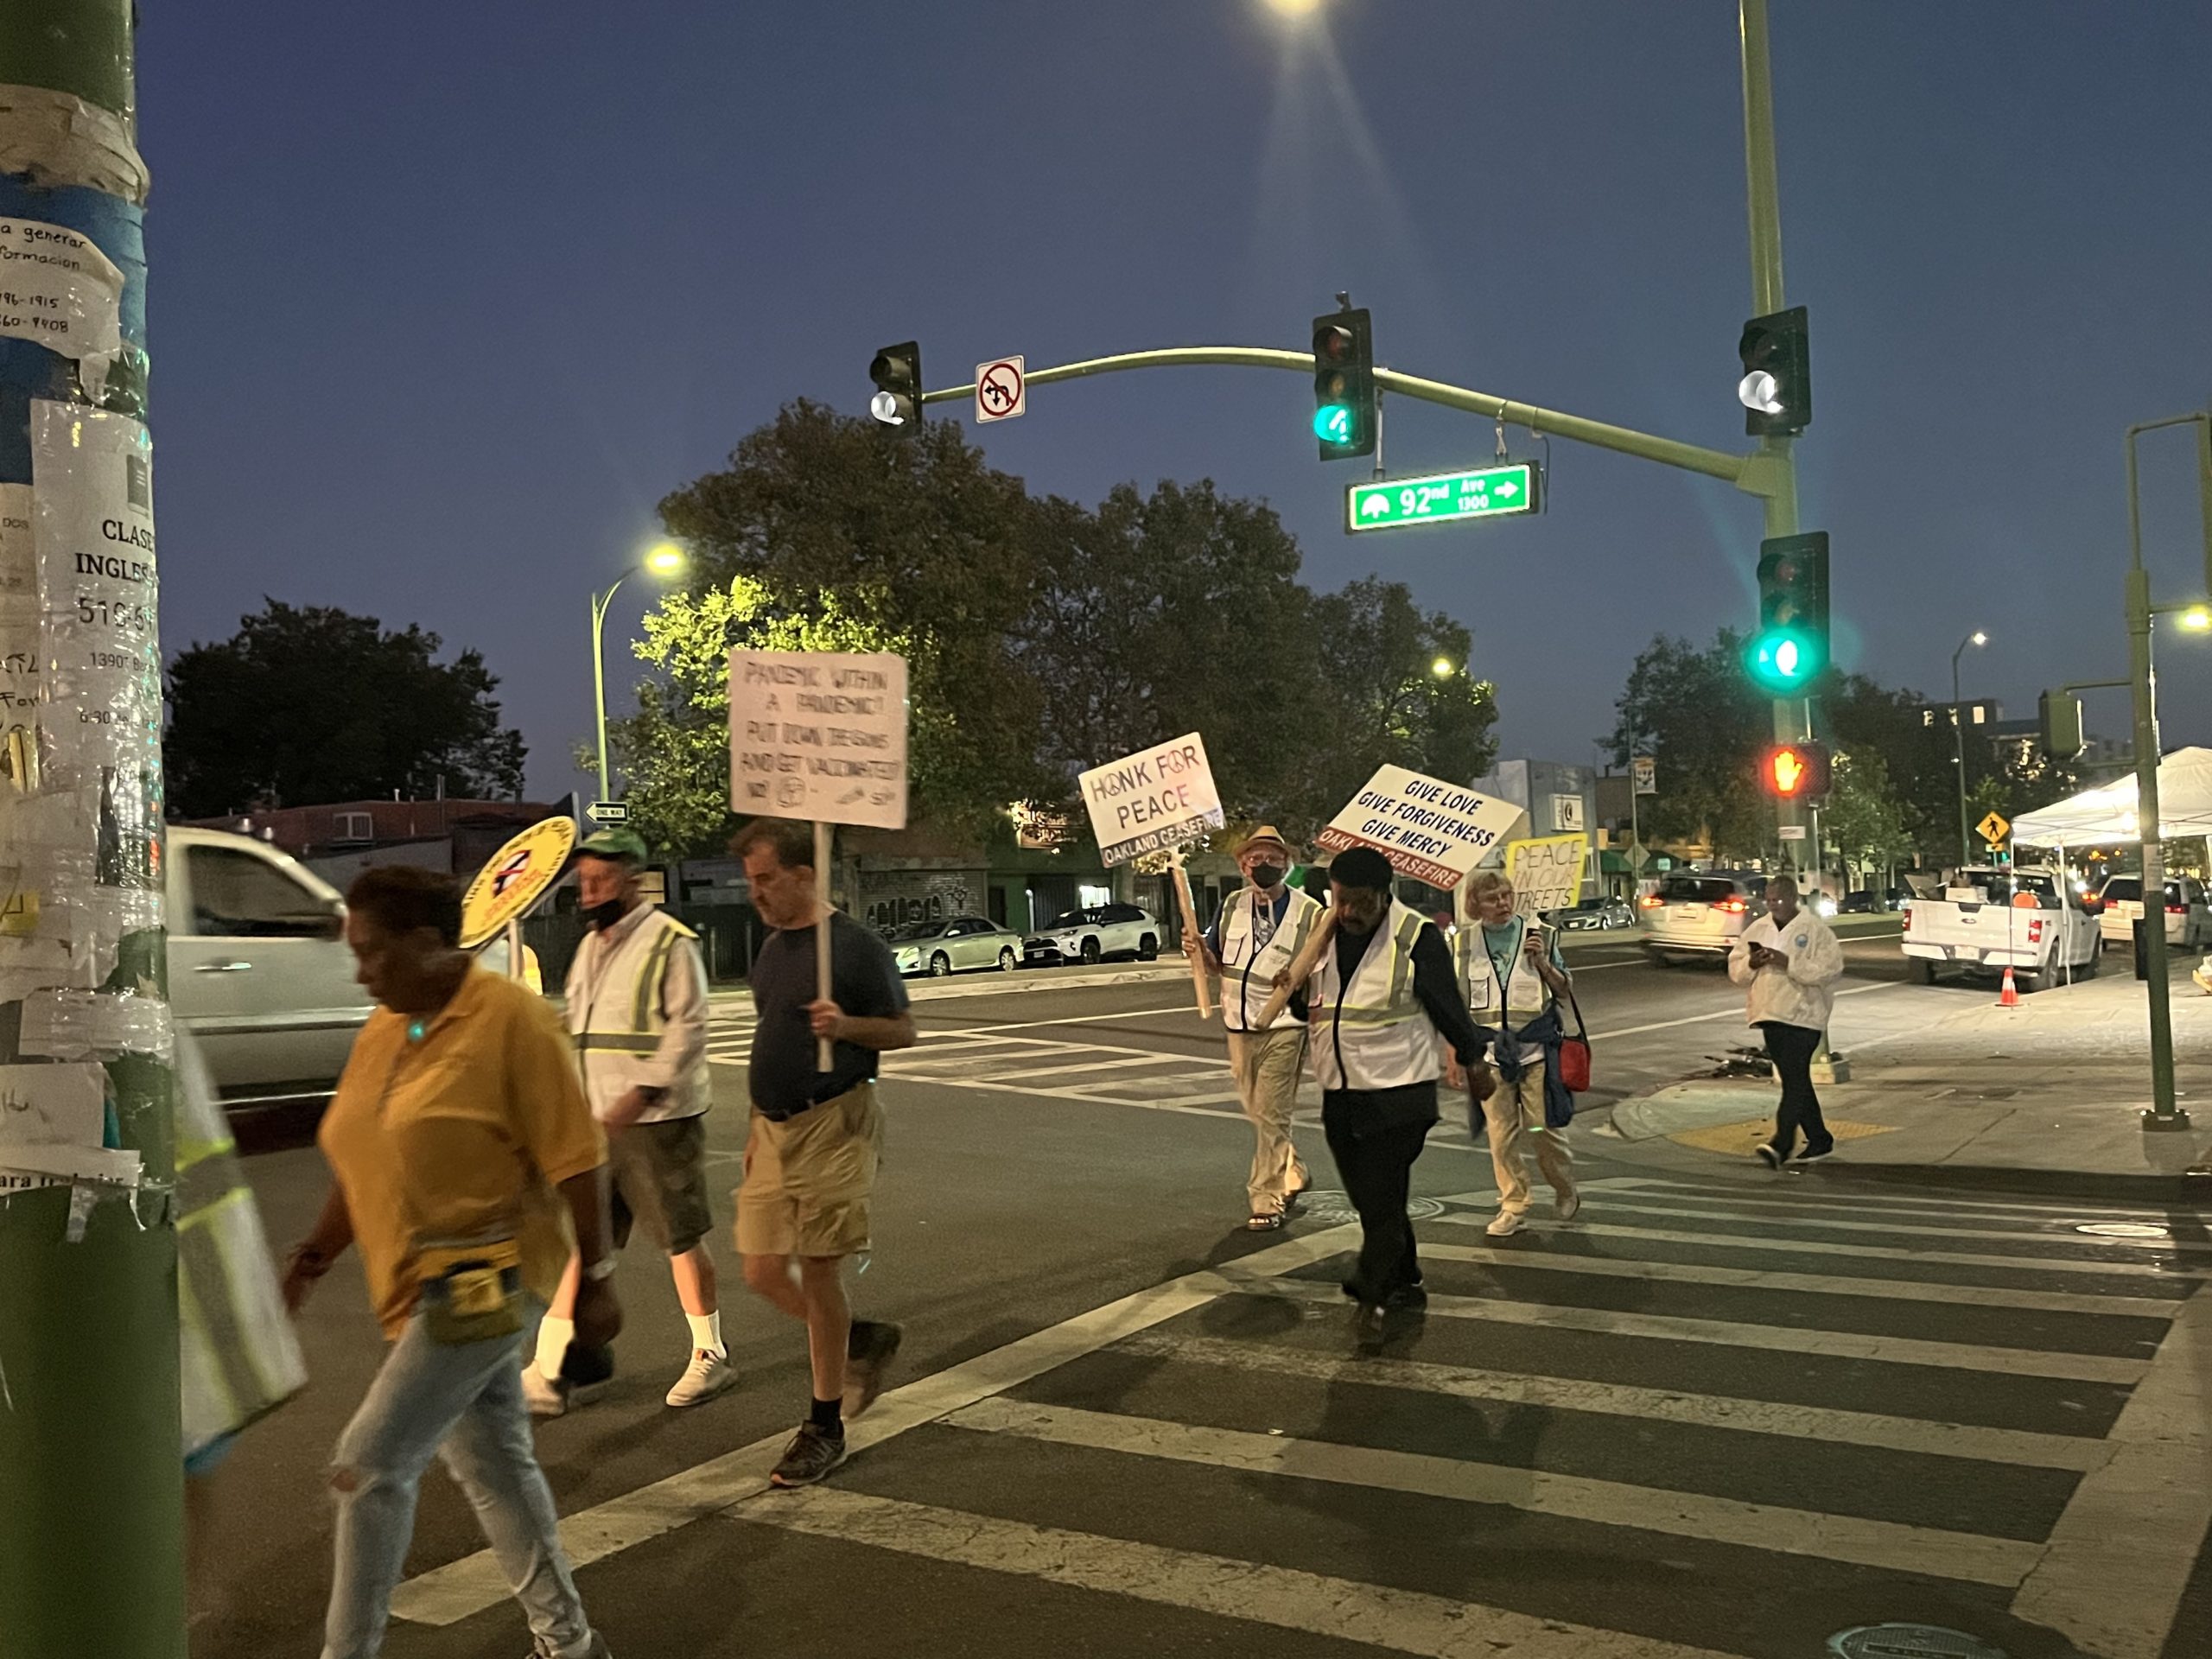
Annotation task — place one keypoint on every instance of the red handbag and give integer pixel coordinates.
(1574, 1053)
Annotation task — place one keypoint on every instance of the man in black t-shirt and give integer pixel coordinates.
(811, 1155)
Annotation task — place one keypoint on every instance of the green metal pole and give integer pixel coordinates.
(1793, 716)
(1959, 751)
(92, 1557)
(599, 604)
(2142, 672)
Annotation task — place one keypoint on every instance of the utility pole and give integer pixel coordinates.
(91, 1469)
(1793, 716)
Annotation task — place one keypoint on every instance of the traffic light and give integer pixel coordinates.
(2061, 713)
(896, 371)
(1790, 650)
(1777, 390)
(1796, 772)
(1343, 384)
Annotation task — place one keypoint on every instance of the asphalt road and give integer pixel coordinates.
(1728, 1413)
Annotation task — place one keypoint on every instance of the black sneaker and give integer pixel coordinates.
(1812, 1154)
(812, 1454)
(868, 1355)
(1766, 1154)
(1406, 1296)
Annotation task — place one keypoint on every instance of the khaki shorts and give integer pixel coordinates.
(659, 1173)
(808, 1179)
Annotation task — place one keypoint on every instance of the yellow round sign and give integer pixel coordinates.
(515, 878)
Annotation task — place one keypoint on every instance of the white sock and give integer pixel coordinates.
(553, 1339)
(706, 1332)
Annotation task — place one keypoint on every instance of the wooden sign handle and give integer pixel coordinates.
(1191, 930)
(823, 1047)
(1301, 969)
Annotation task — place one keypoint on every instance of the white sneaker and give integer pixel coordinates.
(707, 1376)
(544, 1395)
(1506, 1223)
(1569, 1204)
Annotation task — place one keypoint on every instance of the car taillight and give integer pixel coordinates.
(1905, 911)
(1733, 907)
(2177, 910)
(2035, 932)
(1650, 901)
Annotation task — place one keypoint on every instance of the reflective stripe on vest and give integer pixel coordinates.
(642, 1034)
(1379, 1036)
(1478, 977)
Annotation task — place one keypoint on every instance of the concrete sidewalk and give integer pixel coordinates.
(2044, 1096)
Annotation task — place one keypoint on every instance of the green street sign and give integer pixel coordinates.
(1442, 498)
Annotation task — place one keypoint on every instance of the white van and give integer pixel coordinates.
(259, 971)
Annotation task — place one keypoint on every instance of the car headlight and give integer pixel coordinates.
(909, 958)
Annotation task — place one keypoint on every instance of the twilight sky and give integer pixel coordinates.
(444, 298)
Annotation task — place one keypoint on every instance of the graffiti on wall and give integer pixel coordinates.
(896, 898)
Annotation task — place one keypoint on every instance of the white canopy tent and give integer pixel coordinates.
(2108, 813)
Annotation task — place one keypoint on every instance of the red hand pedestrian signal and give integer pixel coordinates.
(1797, 771)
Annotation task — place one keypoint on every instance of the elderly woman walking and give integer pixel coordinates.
(1513, 975)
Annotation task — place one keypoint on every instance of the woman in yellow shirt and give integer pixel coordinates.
(461, 1143)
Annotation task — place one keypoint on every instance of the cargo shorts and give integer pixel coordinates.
(659, 1172)
(808, 1179)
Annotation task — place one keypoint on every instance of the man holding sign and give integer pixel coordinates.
(815, 1135)
(1385, 1003)
(1258, 935)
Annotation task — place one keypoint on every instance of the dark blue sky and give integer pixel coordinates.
(446, 297)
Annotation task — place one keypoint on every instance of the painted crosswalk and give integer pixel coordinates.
(1706, 1420)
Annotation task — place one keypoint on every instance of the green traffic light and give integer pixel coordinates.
(1332, 423)
(1783, 660)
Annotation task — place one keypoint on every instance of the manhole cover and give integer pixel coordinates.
(1321, 1205)
(2124, 1229)
(1909, 1642)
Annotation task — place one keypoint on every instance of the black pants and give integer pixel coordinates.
(1376, 1166)
(1791, 1048)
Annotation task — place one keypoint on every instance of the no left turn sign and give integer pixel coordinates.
(1001, 393)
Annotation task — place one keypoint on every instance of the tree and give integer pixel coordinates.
(311, 704)
(1697, 714)
(825, 528)
(1156, 615)
(1378, 700)
(1863, 818)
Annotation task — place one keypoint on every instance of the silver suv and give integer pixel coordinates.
(1699, 913)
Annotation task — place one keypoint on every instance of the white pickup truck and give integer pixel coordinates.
(1985, 920)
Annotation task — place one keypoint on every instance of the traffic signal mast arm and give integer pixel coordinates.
(1753, 473)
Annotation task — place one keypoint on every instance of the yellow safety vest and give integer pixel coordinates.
(617, 1024)
(1248, 976)
(1373, 1033)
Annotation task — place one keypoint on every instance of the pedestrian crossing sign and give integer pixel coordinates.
(1995, 828)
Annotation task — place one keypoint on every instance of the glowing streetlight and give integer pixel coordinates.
(1443, 668)
(1294, 8)
(664, 561)
(2197, 618)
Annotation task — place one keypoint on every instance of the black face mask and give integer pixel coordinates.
(1266, 875)
(605, 916)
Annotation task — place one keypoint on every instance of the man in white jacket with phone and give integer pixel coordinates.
(1787, 958)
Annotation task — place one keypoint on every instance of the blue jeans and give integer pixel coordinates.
(463, 1403)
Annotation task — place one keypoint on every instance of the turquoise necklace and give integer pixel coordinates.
(415, 1028)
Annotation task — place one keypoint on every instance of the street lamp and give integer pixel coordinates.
(2197, 618)
(663, 560)
(1959, 736)
(1442, 667)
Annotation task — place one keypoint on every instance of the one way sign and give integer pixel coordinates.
(610, 811)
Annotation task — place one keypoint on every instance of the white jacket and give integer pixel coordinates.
(1796, 995)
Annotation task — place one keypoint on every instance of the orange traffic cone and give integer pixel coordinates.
(2009, 997)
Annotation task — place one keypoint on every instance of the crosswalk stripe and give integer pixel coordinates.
(1733, 1333)
(1929, 1551)
(1818, 1284)
(1871, 1252)
(1372, 1616)
(1822, 1223)
(1913, 1434)
(1866, 1204)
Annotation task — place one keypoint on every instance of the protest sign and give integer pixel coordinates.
(819, 734)
(1546, 871)
(1430, 831)
(1156, 799)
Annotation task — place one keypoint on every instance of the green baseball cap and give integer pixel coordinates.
(612, 843)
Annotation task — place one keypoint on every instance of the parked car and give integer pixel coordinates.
(1698, 914)
(1096, 932)
(1587, 913)
(2026, 918)
(259, 971)
(2118, 906)
(1865, 902)
(954, 946)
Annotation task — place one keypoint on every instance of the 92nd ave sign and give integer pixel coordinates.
(1443, 497)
